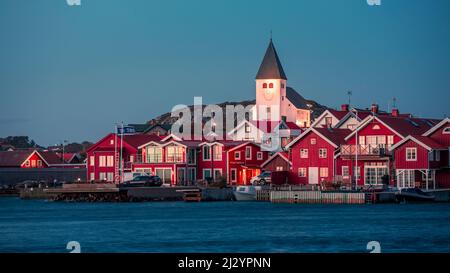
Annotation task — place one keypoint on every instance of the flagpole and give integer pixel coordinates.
(115, 154)
(121, 155)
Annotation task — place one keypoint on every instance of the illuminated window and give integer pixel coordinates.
(301, 172)
(322, 153)
(323, 172)
(303, 153)
(411, 154)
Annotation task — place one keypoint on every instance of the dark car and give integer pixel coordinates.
(144, 181)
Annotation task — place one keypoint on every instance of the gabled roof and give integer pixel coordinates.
(424, 141)
(296, 99)
(51, 158)
(139, 139)
(167, 127)
(335, 137)
(271, 67)
(282, 155)
(13, 158)
(437, 126)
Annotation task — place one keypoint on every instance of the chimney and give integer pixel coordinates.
(374, 108)
(395, 112)
(344, 107)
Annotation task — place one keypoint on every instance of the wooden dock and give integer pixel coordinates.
(317, 197)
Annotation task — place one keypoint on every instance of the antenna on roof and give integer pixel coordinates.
(394, 102)
(349, 94)
(270, 35)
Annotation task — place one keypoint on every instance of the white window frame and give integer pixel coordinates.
(437, 156)
(237, 157)
(446, 131)
(210, 172)
(303, 153)
(248, 148)
(323, 153)
(109, 161)
(92, 176)
(102, 176)
(217, 156)
(410, 151)
(323, 171)
(91, 160)
(347, 170)
(214, 173)
(301, 172)
(259, 156)
(235, 175)
(313, 141)
(102, 161)
(205, 153)
(110, 176)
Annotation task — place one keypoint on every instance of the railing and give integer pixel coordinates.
(174, 158)
(361, 150)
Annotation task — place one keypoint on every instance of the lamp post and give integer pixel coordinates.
(356, 151)
(63, 142)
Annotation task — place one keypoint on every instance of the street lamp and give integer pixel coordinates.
(63, 142)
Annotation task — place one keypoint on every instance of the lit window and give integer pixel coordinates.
(303, 153)
(92, 160)
(248, 152)
(247, 128)
(217, 152)
(110, 161)
(111, 142)
(411, 154)
(323, 172)
(376, 127)
(313, 141)
(301, 172)
(27, 163)
(102, 160)
(345, 172)
(271, 85)
(322, 153)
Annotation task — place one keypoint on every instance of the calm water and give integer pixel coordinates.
(40, 226)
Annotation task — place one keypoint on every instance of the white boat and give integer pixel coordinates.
(246, 193)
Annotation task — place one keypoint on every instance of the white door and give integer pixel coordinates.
(313, 175)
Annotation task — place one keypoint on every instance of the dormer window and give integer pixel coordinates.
(446, 130)
(271, 85)
(264, 85)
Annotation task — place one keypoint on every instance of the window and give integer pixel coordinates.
(271, 85)
(102, 160)
(217, 174)
(27, 163)
(237, 155)
(39, 163)
(411, 154)
(217, 152)
(206, 152)
(437, 156)
(323, 172)
(322, 153)
(110, 161)
(301, 172)
(282, 86)
(303, 153)
(206, 174)
(374, 174)
(92, 160)
(233, 175)
(248, 153)
(92, 176)
(174, 154)
(390, 140)
(362, 140)
(376, 127)
(110, 177)
(279, 168)
(264, 85)
(131, 158)
(102, 176)
(313, 141)
(345, 172)
(446, 130)
(259, 155)
(191, 156)
(192, 174)
(431, 156)
(406, 178)
(247, 128)
(328, 121)
(111, 142)
(154, 154)
(268, 111)
(33, 163)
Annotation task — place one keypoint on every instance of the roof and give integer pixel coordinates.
(283, 155)
(296, 99)
(13, 158)
(437, 126)
(337, 136)
(408, 126)
(338, 114)
(271, 67)
(291, 125)
(164, 126)
(50, 157)
(139, 139)
(424, 141)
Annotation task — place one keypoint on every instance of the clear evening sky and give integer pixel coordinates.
(72, 72)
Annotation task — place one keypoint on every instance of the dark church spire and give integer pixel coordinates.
(271, 66)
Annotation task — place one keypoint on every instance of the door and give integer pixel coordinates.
(313, 175)
(181, 176)
(165, 175)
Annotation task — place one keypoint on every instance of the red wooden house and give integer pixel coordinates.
(28, 159)
(171, 158)
(366, 155)
(111, 160)
(314, 154)
(423, 160)
(244, 162)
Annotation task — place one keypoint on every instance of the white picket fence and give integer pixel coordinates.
(317, 197)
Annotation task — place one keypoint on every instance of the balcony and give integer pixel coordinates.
(365, 150)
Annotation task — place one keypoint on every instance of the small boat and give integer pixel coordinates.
(246, 193)
(414, 195)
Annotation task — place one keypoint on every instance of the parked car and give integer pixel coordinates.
(263, 178)
(143, 181)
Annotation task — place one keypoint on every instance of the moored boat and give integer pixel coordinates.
(414, 195)
(246, 193)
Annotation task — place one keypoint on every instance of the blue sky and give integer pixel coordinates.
(72, 72)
